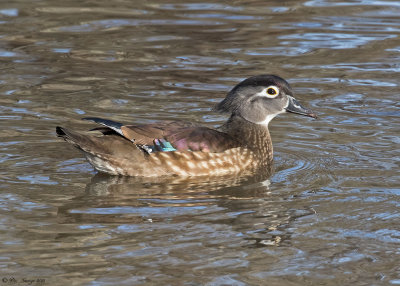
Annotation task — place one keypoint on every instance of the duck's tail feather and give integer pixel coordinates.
(112, 154)
(98, 145)
(75, 138)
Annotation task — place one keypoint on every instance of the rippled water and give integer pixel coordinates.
(329, 215)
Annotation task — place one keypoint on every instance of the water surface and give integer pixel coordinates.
(329, 213)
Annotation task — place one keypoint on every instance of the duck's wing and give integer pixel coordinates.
(171, 136)
(200, 139)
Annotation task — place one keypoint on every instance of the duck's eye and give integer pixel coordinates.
(272, 91)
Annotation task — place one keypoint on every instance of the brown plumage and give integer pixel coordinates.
(242, 144)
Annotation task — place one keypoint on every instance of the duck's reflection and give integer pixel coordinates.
(103, 184)
(242, 203)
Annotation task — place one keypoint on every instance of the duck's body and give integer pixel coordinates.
(243, 143)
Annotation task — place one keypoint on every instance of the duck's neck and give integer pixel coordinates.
(251, 135)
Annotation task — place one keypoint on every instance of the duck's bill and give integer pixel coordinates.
(295, 107)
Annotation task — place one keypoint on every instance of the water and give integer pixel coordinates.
(328, 215)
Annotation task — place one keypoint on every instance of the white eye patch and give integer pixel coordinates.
(271, 92)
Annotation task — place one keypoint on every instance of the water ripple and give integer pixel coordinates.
(329, 213)
(102, 25)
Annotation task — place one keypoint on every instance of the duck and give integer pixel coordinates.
(179, 148)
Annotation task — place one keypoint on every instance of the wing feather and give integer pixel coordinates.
(174, 135)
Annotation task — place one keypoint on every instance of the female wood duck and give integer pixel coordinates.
(181, 148)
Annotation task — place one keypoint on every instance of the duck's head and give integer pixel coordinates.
(260, 98)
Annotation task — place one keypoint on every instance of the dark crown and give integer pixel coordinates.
(249, 87)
